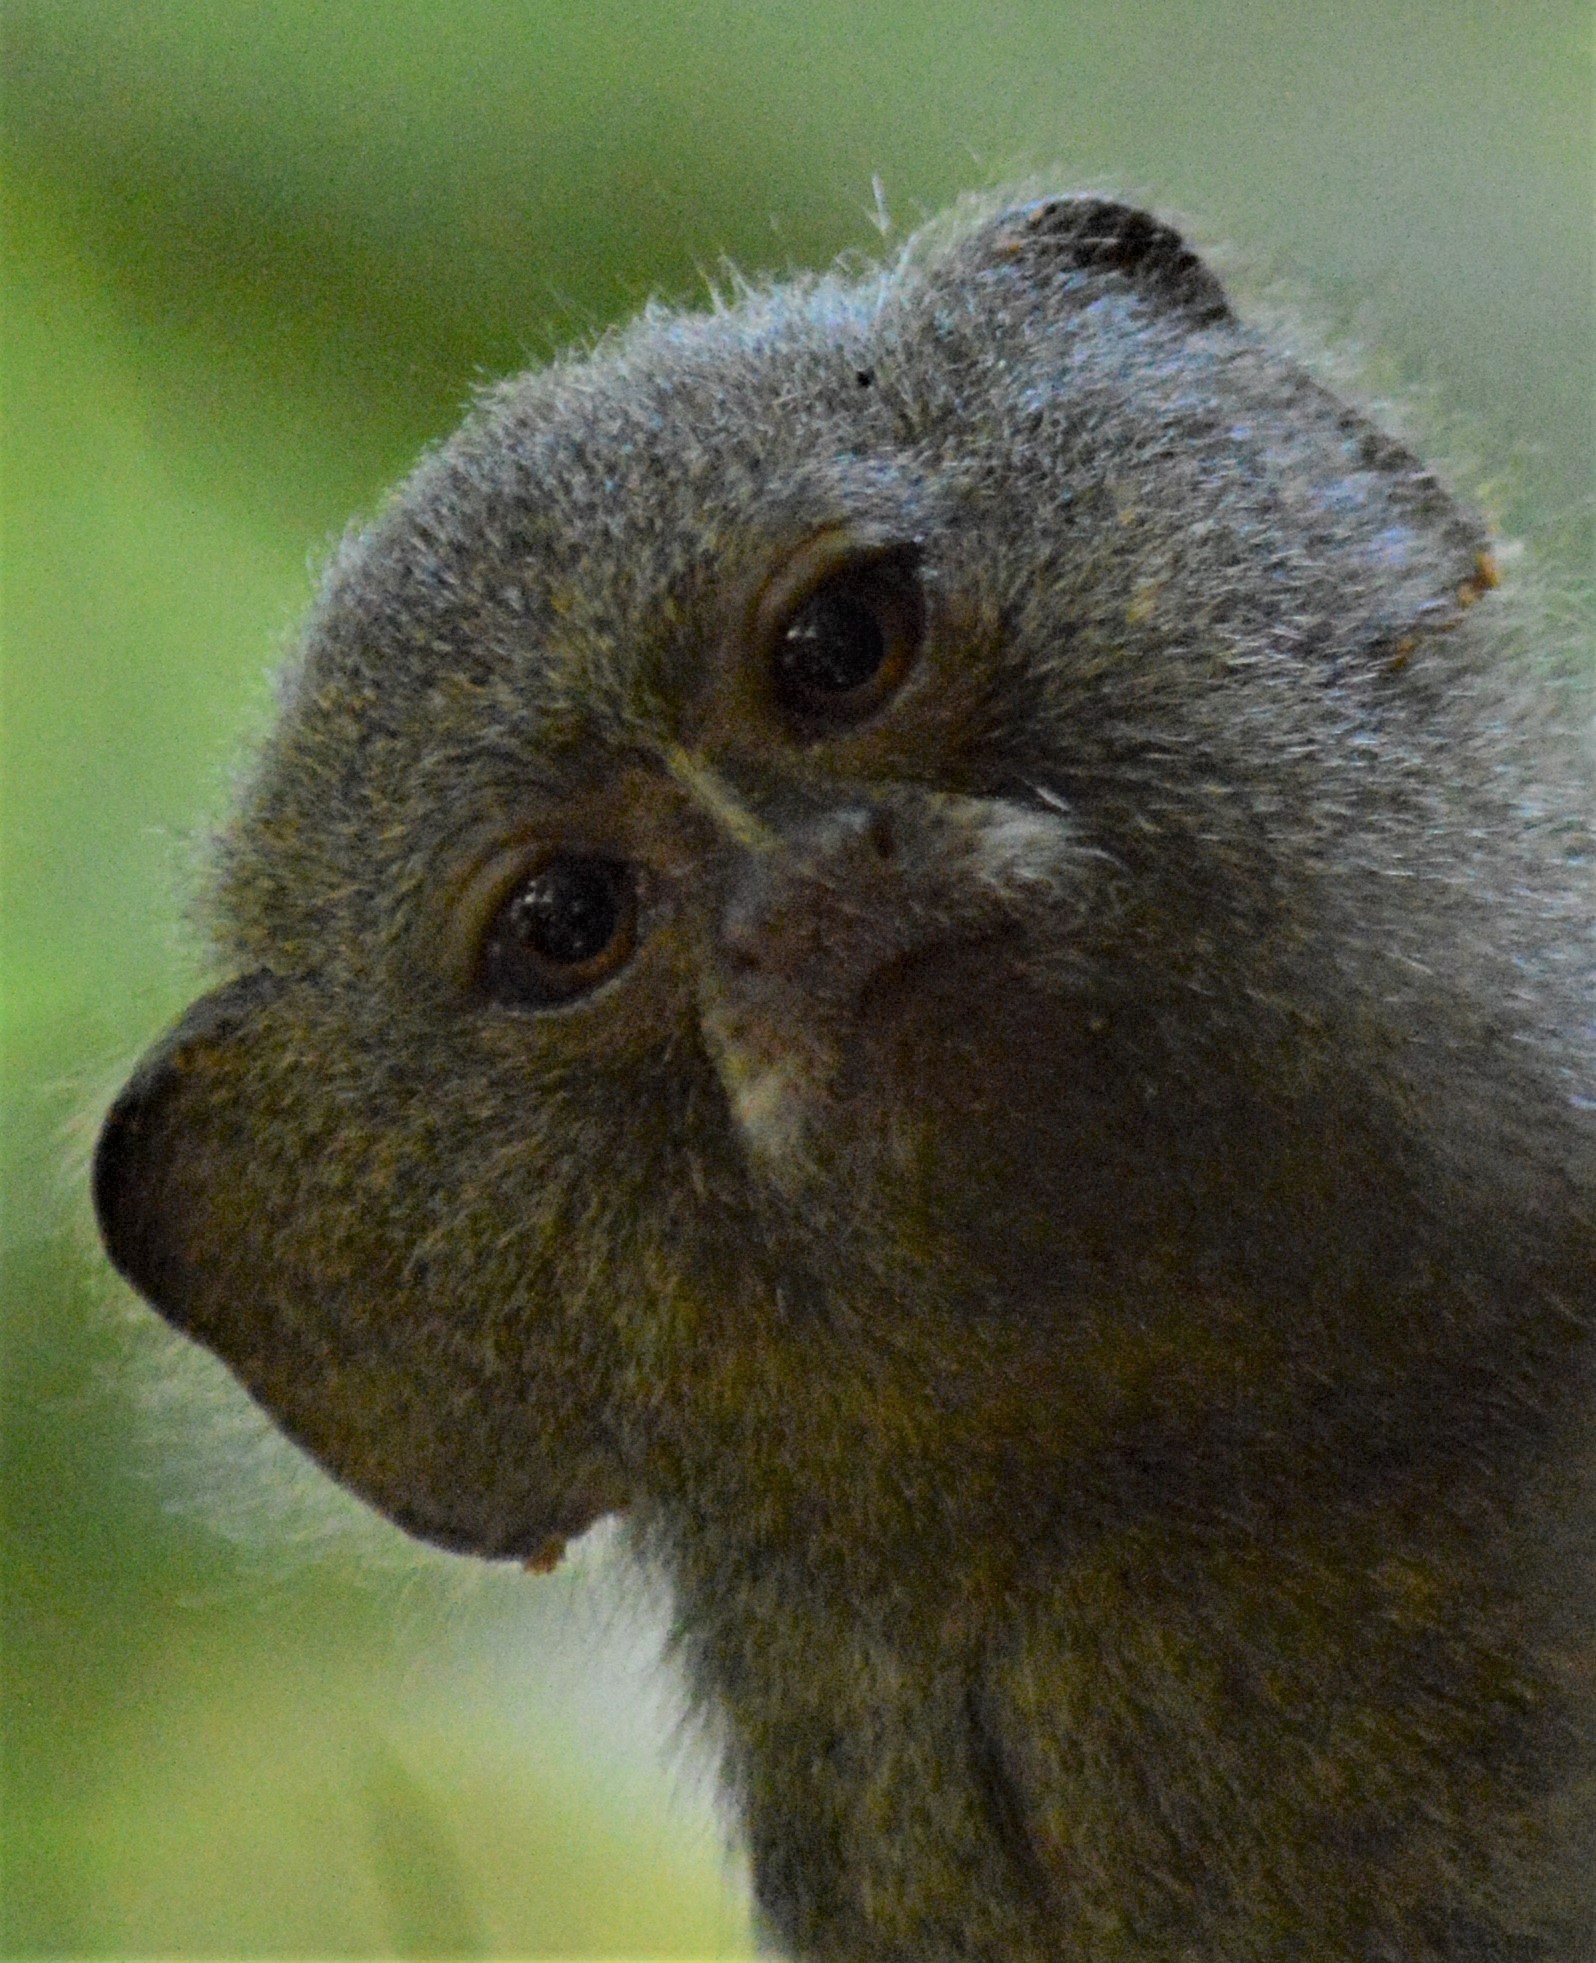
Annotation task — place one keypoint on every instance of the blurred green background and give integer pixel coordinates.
(256, 255)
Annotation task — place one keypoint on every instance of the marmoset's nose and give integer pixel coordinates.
(815, 900)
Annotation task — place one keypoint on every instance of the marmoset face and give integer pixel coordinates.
(780, 856)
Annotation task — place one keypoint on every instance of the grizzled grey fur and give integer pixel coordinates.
(1052, 1184)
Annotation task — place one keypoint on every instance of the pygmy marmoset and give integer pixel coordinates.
(927, 931)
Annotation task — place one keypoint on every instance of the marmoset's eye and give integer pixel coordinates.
(848, 645)
(568, 926)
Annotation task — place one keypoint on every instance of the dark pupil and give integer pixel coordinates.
(835, 645)
(569, 912)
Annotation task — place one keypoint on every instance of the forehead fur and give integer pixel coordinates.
(548, 581)
(547, 577)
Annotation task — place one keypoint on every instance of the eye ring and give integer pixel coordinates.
(561, 924)
(843, 638)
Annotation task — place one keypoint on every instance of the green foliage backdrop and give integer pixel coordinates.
(256, 254)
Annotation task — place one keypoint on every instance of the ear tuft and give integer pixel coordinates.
(1091, 235)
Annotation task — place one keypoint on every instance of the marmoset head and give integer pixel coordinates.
(800, 893)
